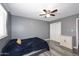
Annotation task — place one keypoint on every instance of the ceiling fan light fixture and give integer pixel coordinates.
(48, 15)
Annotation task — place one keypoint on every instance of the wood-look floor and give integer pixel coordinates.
(56, 50)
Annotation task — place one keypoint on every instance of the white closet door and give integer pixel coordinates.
(55, 31)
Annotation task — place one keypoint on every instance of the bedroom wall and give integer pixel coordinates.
(27, 28)
(68, 25)
(4, 41)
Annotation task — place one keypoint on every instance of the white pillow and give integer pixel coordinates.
(18, 41)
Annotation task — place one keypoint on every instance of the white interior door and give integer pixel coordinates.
(55, 31)
(77, 33)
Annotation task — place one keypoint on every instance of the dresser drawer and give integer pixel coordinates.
(66, 41)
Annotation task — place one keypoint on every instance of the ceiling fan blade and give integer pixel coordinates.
(42, 14)
(54, 11)
(52, 14)
(45, 10)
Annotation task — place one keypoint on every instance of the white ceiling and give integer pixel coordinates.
(32, 10)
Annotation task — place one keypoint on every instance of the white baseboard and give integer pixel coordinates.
(46, 39)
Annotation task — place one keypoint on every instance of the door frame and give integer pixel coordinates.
(77, 19)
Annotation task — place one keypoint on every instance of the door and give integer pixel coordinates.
(77, 33)
(55, 31)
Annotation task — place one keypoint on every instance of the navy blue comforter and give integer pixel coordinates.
(27, 46)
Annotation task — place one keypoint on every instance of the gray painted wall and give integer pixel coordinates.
(4, 41)
(27, 28)
(68, 25)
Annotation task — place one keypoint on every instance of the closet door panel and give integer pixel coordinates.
(55, 31)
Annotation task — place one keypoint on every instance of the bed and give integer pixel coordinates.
(28, 45)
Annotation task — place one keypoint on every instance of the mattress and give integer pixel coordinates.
(33, 45)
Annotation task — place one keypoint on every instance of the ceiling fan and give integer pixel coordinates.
(48, 13)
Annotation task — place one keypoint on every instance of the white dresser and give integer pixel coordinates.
(66, 41)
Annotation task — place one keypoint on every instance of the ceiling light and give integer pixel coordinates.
(48, 15)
